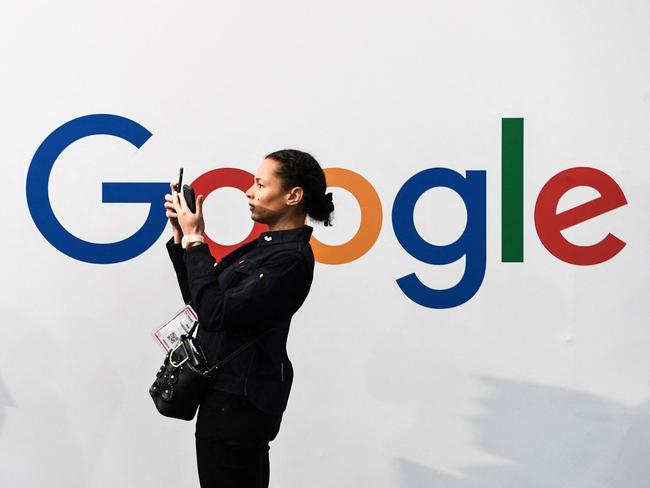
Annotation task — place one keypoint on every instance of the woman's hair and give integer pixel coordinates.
(298, 168)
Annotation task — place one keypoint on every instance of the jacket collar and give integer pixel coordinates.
(276, 236)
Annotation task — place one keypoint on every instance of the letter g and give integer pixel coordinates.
(470, 244)
(40, 208)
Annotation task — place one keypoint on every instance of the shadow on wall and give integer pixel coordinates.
(5, 402)
(553, 438)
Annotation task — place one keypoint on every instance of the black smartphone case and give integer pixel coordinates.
(188, 193)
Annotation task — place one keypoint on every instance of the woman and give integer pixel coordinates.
(254, 290)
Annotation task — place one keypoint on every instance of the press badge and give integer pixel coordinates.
(169, 334)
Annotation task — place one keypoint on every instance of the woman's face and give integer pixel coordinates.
(266, 198)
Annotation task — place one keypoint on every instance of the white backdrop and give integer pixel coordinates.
(540, 380)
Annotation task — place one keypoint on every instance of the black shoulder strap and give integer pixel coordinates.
(237, 351)
(240, 349)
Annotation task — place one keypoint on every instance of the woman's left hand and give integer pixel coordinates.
(191, 223)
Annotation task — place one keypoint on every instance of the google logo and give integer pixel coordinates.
(471, 188)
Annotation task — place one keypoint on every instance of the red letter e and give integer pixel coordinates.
(549, 224)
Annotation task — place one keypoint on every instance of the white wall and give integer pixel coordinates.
(540, 380)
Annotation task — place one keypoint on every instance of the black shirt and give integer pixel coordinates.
(259, 285)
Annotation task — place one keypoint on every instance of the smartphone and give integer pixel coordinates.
(188, 193)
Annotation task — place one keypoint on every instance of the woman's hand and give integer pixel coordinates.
(189, 222)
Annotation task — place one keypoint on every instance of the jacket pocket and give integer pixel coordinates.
(236, 272)
(246, 266)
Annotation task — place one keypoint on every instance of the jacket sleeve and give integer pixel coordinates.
(176, 253)
(274, 290)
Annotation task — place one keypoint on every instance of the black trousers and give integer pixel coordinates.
(232, 442)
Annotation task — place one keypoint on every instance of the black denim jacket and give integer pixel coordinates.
(259, 285)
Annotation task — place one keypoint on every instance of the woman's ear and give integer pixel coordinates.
(295, 196)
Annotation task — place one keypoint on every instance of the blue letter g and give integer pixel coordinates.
(40, 208)
(470, 244)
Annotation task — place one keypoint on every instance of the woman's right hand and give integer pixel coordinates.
(171, 213)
